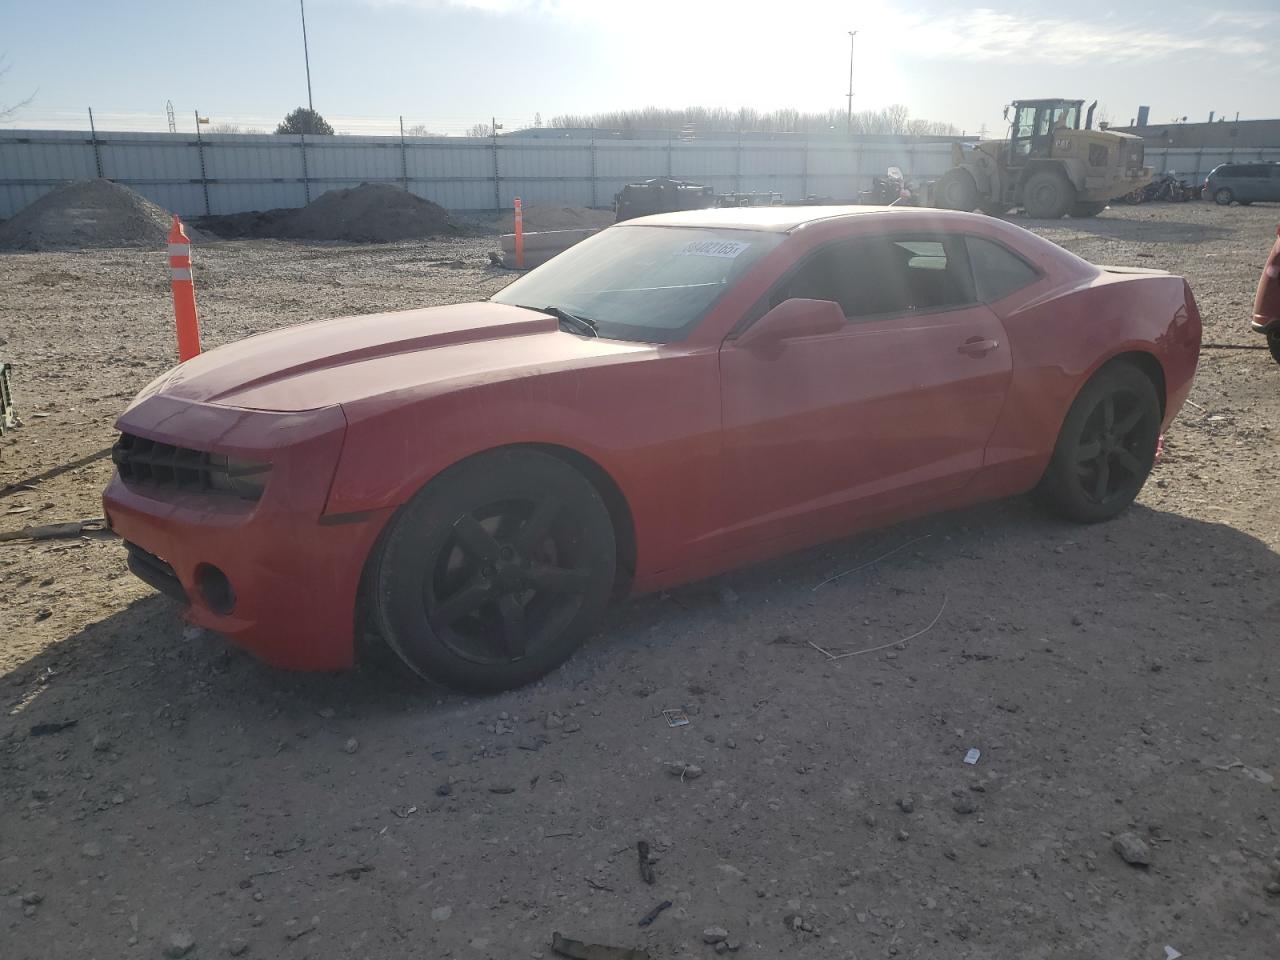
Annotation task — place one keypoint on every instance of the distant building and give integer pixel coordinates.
(1238, 134)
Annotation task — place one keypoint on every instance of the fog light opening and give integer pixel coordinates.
(215, 589)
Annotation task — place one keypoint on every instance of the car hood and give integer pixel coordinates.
(338, 361)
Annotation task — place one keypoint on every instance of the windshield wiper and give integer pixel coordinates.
(584, 325)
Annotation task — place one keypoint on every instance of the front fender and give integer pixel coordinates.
(652, 426)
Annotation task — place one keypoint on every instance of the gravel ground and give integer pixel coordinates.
(1120, 682)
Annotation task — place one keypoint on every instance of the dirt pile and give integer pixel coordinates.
(369, 213)
(87, 213)
(537, 217)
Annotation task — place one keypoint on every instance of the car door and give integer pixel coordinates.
(890, 411)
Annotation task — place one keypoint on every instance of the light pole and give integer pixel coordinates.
(306, 57)
(849, 118)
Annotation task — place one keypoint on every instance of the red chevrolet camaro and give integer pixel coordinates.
(676, 396)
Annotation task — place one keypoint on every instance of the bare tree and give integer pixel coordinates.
(895, 119)
(225, 128)
(421, 130)
(480, 130)
(8, 110)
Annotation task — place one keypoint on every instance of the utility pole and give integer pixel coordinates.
(849, 118)
(306, 56)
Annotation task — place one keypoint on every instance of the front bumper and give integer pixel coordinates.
(294, 572)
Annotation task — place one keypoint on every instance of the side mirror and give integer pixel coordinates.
(792, 319)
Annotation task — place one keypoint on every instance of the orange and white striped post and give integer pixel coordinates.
(184, 293)
(519, 236)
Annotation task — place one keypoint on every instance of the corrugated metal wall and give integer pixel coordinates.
(231, 173)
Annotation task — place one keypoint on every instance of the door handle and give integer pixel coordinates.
(978, 346)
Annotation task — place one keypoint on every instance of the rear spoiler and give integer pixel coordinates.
(1147, 271)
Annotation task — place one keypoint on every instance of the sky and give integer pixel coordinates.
(451, 63)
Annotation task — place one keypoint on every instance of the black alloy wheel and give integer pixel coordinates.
(495, 571)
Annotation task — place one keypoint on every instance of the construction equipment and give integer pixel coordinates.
(1052, 164)
(660, 195)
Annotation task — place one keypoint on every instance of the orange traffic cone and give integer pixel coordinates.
(184, 293)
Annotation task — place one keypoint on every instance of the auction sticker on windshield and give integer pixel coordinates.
(712, 248)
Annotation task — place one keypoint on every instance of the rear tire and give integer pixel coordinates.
(495, 571)
(1106, 448)
(956, 190)
(1223, 197)
(1087, 208)
(1047, 195)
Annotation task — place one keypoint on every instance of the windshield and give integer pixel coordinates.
(642, 283)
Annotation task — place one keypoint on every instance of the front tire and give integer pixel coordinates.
(1273, 342)
(1047, 195)
(495, 571)
(956, 190)
(1106, 448)
(1223, 197)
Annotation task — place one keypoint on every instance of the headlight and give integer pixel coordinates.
(245, 478)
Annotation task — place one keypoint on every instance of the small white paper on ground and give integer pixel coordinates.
(1171, 953)
(972, 756)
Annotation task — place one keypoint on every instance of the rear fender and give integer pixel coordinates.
(1060, 342)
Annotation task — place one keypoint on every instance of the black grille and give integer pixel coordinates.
(153, 464)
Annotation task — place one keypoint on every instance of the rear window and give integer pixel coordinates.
(997, 272)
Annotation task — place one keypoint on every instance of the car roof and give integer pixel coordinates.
(772, 219)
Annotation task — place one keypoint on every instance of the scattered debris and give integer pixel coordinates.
(884, 646)
(502, 789)
(352, 873)
(906, 805)
(1253, 773)
(871, 563)
(1131, 849)
(714, 934)
(404, 812)
(676, 718)
(652, 915)
(1171, 953)
(352, 745)
(578, 950)
(646, 862)
(685, 771)
(57, 726)
(444, 790)
(964, 806)
(972, 756)
(55, 531)
(598, 886)
(180, 944)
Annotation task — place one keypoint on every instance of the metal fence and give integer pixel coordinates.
(232, 173)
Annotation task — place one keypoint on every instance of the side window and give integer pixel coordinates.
(883, 276)
(997, 272)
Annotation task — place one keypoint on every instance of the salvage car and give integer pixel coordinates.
(674, 397)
